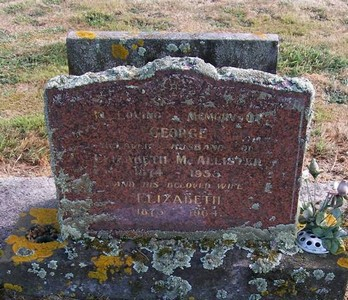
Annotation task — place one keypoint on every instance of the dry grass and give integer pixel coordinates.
(314, 35)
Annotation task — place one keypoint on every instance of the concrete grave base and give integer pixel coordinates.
(162, 269)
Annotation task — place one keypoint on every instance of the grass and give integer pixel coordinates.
(298, 59)
(32, 50)
(24, 138)
(17, 65)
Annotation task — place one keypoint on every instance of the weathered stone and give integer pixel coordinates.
(166, 269)
(99, 51)
(176, 146)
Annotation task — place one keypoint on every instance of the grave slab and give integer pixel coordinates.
(176, 147)
(98, 51)
(224, 268)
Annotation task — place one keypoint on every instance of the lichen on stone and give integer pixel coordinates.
(71, 253)
(53, 264)
(255, 297)
(300, 275)
(172, 288)
(260, 284)
(279, 282)
(140, 267)
(110, 264)
(40, 272)
(322, 291)
(284, 240)
(255, 206)
(13, 287)
(215, 257)
(172, 47)
(141, 51)
(266, 264)
(169, 255)
(69, 276)
(119, 51)
(185, 47)
(329, 277)
(318, 274)
(86, 35)
(34, 251)
(221, 294)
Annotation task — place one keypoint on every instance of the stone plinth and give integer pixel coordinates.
(165, 269)
(176, 146)
(99, 51)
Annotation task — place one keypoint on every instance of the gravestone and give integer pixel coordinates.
(98, 51)
(176, 147)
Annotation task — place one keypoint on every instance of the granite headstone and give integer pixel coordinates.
(176, 146)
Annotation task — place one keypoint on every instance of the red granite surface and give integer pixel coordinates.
(180, 151)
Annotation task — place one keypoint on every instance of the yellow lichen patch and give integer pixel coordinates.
(260, 35)
(33, 251)
(300, 226)
(112, 264)
(343, 262)
(13, 287)
(119, 51)
(44, 216)
(134, 47)
(140, 43)
(86, 34)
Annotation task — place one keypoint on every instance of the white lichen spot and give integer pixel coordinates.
(174, 287)
(169, 255)
(67, 230)
(69, 276)
(82, 265)
(176, 119)
(268, 188)
(255, 206)
(53, 264)
(52, 274)
(318, 274)
(257, 224)
(141, 51)
(260, 283)
(272, 219)
(299, 275)
(140, 267)
(40, 272)
(322, 291)
(215, 258)
(265, 265)
(329, 277)
(255, 297)
(172, 48)
(185, 48)
(279, 282)
(115, 248)
(71, 253)
(284, 241)
(229, 237)
(221, 294)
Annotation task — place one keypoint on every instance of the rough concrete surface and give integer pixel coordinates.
(19, 194)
